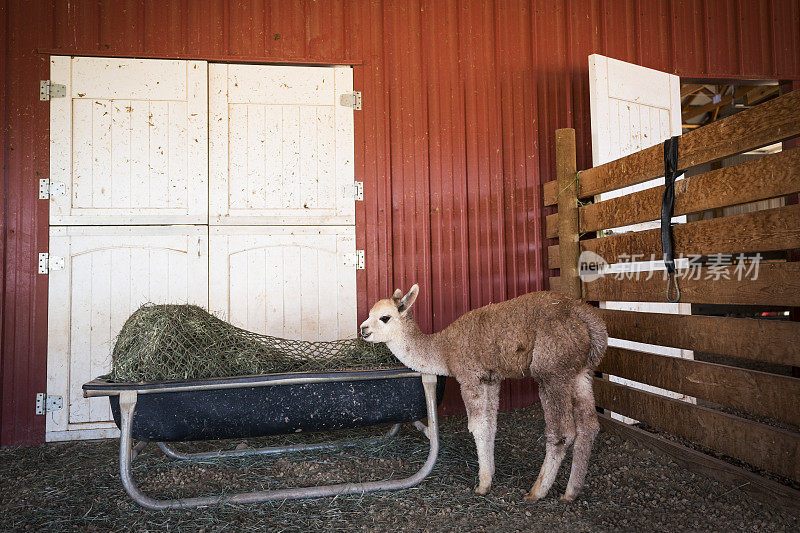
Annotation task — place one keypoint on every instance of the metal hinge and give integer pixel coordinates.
(48, 263)
(355, 259)
(48, 90)
(48, 188)
(352, 99)
(47, 402)
(354, 190)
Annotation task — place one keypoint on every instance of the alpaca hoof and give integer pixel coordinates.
(568, 497)
(482, 489)
(535, 495)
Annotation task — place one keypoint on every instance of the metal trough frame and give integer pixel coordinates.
(128, 451)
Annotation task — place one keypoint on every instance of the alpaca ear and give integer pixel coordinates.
(397, 295)
(408, 300)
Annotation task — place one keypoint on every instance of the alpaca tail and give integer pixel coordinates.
(598, 335)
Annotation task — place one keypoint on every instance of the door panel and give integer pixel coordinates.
(281, 145)
(108, 273)
(632, 108)
(128, 141)
(292, 282)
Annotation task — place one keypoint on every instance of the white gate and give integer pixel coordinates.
(632, 108)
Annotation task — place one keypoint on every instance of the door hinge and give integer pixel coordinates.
(355, 259)
(352, 99)
(48, 189)
(46, 403)
(48, 263)
(48, 90)
(354, 190)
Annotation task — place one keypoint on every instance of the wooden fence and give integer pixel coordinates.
(718, 422)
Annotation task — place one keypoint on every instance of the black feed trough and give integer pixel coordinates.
(270, 404)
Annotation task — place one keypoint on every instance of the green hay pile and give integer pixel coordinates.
(173, 342)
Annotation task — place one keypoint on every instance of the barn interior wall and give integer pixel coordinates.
(460, 103)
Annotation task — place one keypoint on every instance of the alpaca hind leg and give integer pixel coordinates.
(560, 433)
(587, 429)
(471, 397)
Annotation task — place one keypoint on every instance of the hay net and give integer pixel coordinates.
(176, 342)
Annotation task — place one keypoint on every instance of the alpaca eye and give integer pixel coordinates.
(385, 318)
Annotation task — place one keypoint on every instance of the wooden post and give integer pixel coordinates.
(569, 249)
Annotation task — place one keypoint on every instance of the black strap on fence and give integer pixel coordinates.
(667, 205)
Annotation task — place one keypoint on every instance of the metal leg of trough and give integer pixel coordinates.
(137, 449)
(422, 428)
(127, 405)
(127, 402)
(175, 454)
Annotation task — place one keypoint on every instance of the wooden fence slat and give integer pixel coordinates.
(771, 341)
(758, 487)
(777, 284)
(551, 226)
(768, 123)
(768, 177)
(760, 231)
(549, 192)
(758, 393)
(760, 445)
(554, 256)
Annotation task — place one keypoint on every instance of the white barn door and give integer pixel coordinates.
(128, 143)
(282, 211)
(131, 196)
(108, 272)
(632, 108)
(128, 214)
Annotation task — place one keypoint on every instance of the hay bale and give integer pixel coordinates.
(173, 342)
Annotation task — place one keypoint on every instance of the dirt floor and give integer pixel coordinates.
(76, 487)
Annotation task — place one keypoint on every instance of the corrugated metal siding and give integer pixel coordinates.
(461, 100)
(3, 200)
(24, 303)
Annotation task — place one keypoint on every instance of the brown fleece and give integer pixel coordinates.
(548, 335)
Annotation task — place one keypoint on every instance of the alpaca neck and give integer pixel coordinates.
(419, 351)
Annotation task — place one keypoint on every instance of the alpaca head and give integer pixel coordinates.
(387, 317)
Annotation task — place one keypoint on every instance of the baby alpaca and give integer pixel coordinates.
(554, 338)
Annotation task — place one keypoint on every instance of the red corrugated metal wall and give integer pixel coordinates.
(461, 99)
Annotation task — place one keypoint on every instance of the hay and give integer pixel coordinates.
(75, 486)
(174, 342)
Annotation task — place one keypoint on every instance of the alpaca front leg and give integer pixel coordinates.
(484, 442)
(483, 425)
